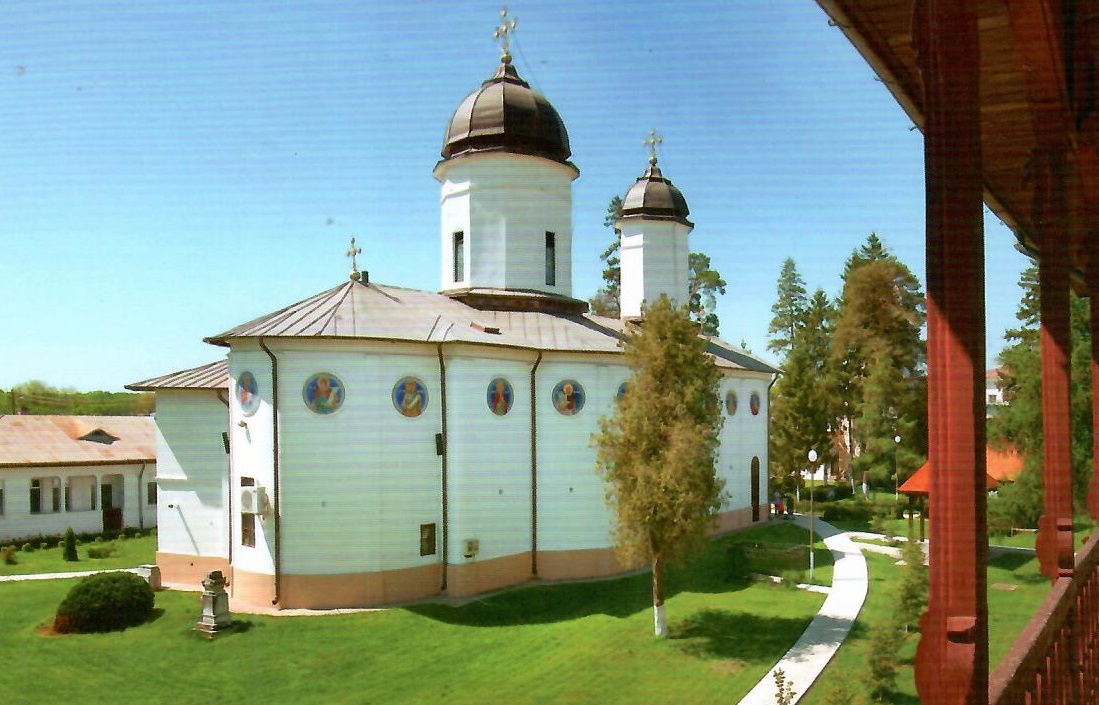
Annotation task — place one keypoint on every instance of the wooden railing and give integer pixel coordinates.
(1055, 661)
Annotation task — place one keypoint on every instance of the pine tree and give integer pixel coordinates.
(657, 450)
(912, 599)
(789, 309)
(68, 552)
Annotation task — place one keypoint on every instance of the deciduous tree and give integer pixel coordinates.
(657, 450)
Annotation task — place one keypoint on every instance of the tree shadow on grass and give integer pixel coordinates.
(747, 637)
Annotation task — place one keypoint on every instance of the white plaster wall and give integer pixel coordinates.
(505, 204)
(18, 522)
(357, 484)
(572, 511)
(654, 261)
(251, 453)
(489, 461)
(743, 437)
(191, 474)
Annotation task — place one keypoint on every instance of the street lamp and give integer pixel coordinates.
(812, 487)
(896, 471)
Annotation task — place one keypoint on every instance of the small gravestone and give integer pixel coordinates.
(215, 605)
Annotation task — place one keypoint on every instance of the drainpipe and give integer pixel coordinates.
(140, 504)
(443, 450)
(534, 466)
(275, 467)
(223, 397)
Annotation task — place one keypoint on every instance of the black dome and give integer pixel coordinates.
(655, 198)
(506, 114)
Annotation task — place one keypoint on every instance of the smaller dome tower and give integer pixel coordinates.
(653, 242)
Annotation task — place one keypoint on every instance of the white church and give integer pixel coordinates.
(376, 444)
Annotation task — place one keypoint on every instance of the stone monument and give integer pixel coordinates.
(215, 605)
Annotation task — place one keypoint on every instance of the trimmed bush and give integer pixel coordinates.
(102, 551)
(7, 554)
(69, 550)
(27, 548)
(105, 602)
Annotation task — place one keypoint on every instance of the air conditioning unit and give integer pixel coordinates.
(252, 500)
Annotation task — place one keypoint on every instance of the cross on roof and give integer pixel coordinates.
(352, 252)
(501, 34)
(652, 140)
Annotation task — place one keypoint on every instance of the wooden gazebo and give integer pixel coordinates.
(1005, 94)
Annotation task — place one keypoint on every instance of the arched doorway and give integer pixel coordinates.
(755, 488)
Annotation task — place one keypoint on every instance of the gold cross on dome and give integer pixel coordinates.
(501, 34)
(352, 253)
(653, 140)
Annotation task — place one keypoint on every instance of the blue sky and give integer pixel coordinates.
(172, 169)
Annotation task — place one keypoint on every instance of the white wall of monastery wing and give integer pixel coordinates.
(489, 454)
(504, 204)
(744, 437)
(192, 473)
(572, 511)
(48, 500)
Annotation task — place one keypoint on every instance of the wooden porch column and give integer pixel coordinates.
(1055, 554)
(952, 657)
(1093, 291)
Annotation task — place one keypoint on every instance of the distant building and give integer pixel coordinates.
(375, 443)
(91, 473)
(994, 392)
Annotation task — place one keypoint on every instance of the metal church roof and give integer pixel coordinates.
(357, 310)
(214, 375)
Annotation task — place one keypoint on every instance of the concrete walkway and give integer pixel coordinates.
(812, 652)
(77, 574)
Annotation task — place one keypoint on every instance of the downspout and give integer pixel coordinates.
(534, 467)
(443, 480)
(275, 467)
(223, 397)
(140, 504)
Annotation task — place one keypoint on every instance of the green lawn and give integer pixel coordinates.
(128, 554)
(566, 643)
(1009, 612)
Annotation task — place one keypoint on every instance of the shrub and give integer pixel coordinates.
(27, 548)
(104, 551)
(105, 602)
(69, 551)
(739, 566)
(7, 554)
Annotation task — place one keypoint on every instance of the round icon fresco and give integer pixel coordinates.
(730, 403)
(323, 393)
(568, 397)
(621, 391)
(247, 393)
(410, 396)
(499, 396)
(753, 403)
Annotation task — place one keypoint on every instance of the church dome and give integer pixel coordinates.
(655, 198)
(506, 114)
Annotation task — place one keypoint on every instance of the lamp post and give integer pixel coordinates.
(896, 471)
(812, 486)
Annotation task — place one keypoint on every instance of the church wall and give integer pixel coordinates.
(252, 453)
(489, 470)
(358, 483)
(743, 437)
(192, 478)
(572, 512)
(504, 204)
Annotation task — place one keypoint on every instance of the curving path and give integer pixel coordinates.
(812, 652)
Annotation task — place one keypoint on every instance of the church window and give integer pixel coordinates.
(427, 539)
(730, 403)
(551, 259)
(1, 499)
(753, 403)
(459, 256)
(247, 521)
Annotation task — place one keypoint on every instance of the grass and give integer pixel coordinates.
(773, 560)
(1008, 615)
(128, 553)
(564, 643)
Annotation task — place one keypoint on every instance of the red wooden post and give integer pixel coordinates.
(952, 658)
(1055, 550)
(1093, 290)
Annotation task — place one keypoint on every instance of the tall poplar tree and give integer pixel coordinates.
(657, 451)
